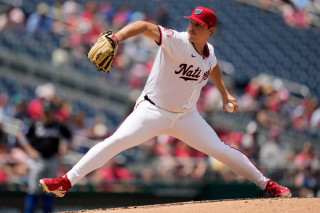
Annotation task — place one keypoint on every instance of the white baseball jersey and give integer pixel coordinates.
(179, 72)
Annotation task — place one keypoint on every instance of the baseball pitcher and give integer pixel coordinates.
(167, 105)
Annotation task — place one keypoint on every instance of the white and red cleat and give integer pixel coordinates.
(275, 190)
(58, 186)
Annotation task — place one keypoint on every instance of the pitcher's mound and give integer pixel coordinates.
(267, 205)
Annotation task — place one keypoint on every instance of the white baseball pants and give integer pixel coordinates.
(148, 121)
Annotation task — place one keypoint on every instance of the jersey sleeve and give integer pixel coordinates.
(171, 41)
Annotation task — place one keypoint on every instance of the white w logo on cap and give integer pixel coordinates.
(198, 11)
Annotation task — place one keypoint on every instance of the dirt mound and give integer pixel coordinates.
(283, 205)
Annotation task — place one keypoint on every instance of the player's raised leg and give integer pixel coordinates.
(196, 132)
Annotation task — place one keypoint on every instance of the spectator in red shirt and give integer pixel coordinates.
(306, 157)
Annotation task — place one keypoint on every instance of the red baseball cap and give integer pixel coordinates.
(204, 16)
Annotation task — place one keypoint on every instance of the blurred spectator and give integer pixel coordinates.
(268, 114)
(65, 112)
(166, 162)
(191, 164)
(40, 21)
(79, 123)
(289, 174)
(17, 167)
(17, 20)
(35, 109)
(295, 17)
(79, 129)
(107, 11)
(99, 129)
(61, 56)
(12, 19)
(300, 117)
(209, 100)
(268, 118)
(232, 138)
(114, 172)
(70, 11)
(43, 92)
(121, 17)
(273, 154)
(249, 101)
(306, 181)
(90, 25)
(296, 13)
(59, 26)
(273, 102)
(249, 143)
(184, 165)
(43, 144)
(308, 156)
(4, 18)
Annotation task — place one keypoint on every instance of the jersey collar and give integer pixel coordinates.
(206, 53)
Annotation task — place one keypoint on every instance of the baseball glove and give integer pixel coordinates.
(103, 52)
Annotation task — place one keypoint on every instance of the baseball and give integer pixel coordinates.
(230, 107)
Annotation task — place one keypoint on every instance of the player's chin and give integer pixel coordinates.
(191, 37)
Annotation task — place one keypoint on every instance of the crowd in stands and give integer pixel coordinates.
(265, 101)
(296, 13)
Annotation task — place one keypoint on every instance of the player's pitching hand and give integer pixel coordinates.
(233, 101)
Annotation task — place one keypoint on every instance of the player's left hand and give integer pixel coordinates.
(230, 99)
(103, 52)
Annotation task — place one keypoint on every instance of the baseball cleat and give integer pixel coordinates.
(58, 186)
(275, 190)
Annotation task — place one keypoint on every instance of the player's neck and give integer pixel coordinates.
(200, 46)
(201, 49)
